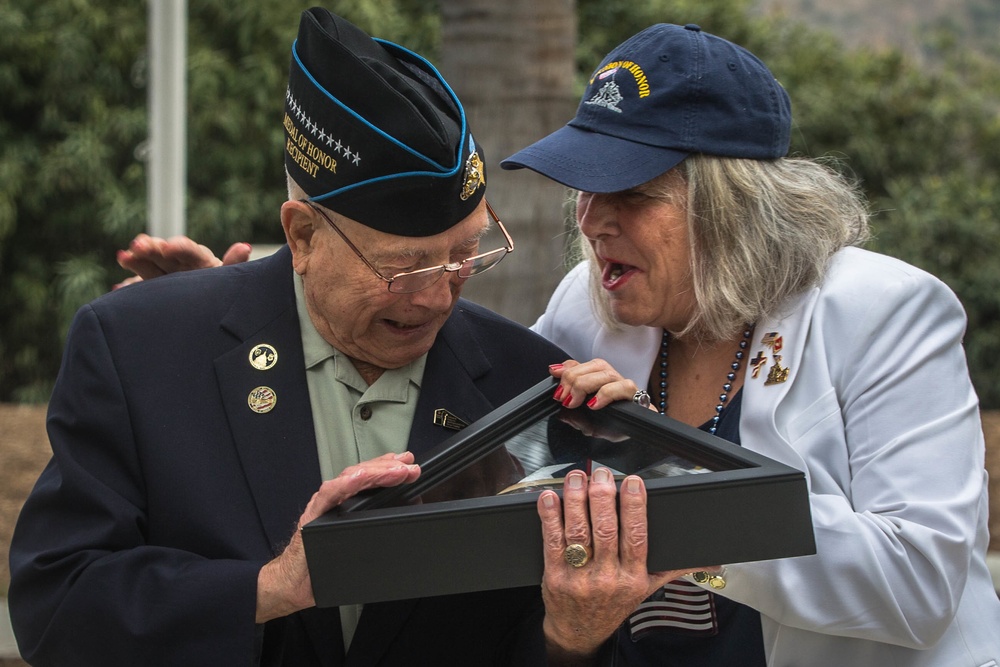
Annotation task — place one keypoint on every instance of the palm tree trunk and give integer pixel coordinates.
(512, 64)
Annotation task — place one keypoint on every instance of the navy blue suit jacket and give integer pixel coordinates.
(142, 540)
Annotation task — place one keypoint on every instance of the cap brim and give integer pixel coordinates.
(594, 162)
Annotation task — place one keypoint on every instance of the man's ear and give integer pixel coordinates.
(299, 222)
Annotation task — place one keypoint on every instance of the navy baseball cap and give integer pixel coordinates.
(661, 95)
(375, 133)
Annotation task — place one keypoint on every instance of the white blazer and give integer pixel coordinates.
(877, 408)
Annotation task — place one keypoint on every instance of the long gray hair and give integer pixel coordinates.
(761, 231)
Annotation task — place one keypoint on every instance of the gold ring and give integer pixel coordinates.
(577, 555)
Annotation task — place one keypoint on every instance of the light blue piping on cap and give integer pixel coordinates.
(444, 173)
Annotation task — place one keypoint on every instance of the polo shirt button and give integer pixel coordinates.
(366, 412)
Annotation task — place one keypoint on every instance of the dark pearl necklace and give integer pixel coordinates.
(727, 386)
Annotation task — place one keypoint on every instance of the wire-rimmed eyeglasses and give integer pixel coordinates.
(414, 281)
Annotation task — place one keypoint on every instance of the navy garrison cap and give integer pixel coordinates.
(373, 132)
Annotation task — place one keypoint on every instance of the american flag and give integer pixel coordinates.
(680, 607)
(773, 340)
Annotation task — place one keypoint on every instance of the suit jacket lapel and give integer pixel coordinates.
(454, 364)
(277, 448)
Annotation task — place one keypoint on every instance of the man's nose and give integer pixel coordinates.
(441, 294)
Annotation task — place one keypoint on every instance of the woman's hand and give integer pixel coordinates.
(579, 380)
(585, 605)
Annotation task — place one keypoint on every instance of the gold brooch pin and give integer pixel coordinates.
(263, 357)
(262, 400)
(778, 373)
(444, 418)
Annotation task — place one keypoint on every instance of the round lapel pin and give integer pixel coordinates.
(263, 357)
(262, 399)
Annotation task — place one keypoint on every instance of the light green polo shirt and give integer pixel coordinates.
(354, 422)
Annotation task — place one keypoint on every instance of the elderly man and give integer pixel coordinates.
(196, 417)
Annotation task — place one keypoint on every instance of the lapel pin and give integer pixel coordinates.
(773, 340)
(778, 373)
(263, 357)
(444, 418)
(262, 400)
(756, 364)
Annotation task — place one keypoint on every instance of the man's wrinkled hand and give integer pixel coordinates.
(283, 585)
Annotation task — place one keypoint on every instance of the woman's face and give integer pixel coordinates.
(642, 246)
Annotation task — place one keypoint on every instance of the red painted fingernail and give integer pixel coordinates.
(592, 402)
(558, 393)
(569, 399)
(555, 367)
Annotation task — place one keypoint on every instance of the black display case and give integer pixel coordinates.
(470, 521)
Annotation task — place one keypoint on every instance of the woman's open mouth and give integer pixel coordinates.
(616, 274)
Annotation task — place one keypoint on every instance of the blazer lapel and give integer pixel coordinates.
(777, 349)
(276, 444)
(454, 364)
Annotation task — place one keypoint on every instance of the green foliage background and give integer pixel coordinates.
(73, 126)
(924, 139)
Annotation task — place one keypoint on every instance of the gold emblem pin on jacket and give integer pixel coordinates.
(778, 373)
(444, 418)
(263, 357)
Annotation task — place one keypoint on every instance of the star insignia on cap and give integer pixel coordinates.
(474, 176)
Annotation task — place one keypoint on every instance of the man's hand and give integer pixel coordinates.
(149, 257)
(283, 585)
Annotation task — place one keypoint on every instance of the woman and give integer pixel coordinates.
(723, 280)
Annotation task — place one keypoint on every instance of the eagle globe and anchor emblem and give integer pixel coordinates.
(474, 175)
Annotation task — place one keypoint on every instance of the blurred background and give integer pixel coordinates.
(905, 94)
